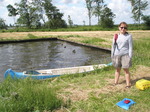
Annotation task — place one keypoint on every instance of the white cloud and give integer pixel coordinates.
(66, 1)
(77, 14)
(4, 3)
(147, 12)
(4, 11)
(70, 1)
(122, 10)
(75, 8)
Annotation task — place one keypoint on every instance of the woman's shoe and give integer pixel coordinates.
(127, 87)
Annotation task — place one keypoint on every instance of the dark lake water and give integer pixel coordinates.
(48, 54)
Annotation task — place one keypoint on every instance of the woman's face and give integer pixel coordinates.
(123, 28)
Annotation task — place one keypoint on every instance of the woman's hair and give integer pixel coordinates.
(123, 23)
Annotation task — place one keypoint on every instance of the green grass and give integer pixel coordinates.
(103, 102)
(67, 36)
(31, 36)
(107, 102)
(76, 28)
(141, 51)
(87, 40)
(27, 96)
(93, 41)
(34, 95)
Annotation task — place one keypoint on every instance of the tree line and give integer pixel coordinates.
(99, 9)
(105, 16)
(43, 14)
(35, 12)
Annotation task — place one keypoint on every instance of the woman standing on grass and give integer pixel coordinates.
(121, 53)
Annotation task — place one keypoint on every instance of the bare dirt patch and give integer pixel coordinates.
(77, 94)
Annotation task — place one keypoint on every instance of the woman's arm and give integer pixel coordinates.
(130, 47)
(112, 48)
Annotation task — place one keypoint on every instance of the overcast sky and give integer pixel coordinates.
(78, 12)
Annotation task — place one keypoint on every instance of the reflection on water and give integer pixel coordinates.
(47, 54)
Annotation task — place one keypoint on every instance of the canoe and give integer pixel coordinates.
(50, 73)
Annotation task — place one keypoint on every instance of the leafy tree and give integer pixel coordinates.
(28, 14)
(90, 8)
(70, 21)
(106, 17)
(137, 7)
(12, 11)
(99, 4)
(50, 10)
(40, 8)
(52, 13)
(54, 16)
(56, 23)
(2, 24)
(146, 20)
(33, 12)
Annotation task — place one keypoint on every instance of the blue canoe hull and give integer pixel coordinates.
(21, 75)
(58, 72)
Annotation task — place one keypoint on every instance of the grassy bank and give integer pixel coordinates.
(27, 96)
(88, 92)
(74, 28)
